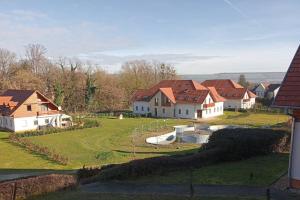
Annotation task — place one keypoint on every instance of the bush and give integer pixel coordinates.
(224, 145)
(149, 166)
(50, 154)
(243, 143)
(81, 124)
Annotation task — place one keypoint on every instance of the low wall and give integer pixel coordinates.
(163, 139)
(30, 186)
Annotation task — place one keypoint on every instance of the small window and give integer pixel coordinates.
(164, 110)
(35, 122)
(29, 108)
(47, 121)
(136, 108)
(148, 109)
(187, 112)
(179, 111)
(142, 108)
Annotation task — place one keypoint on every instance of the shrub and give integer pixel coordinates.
(224, 145)
(243, 143)
(87, 123)
(38, 149)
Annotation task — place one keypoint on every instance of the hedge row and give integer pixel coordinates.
(52, 155)
(26, 187)
(244, 143)
(81, 124)
(224, 145)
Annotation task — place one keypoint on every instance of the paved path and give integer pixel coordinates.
(184, 190)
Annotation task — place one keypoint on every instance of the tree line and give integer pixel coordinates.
(78, 85)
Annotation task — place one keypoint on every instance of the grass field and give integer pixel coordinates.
(111, 143)
(78, 195)
(250, 119)
(264, 170)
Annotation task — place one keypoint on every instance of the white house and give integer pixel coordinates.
(24, 110)
(178, 99)
(236, 96)
(264, 90)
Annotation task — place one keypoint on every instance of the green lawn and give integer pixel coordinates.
(111, 143)
(250, 119)
(265, 170)
(79, 195)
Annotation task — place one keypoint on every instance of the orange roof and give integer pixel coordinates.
(178, 91)
(215, 95)
(169, 93)
(289, 92)
(221, 83)
(228, 89)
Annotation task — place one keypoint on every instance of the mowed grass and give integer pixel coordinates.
(14, 157)
(250, 119)
(110, 143)
(257, 171)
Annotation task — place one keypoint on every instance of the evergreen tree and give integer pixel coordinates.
(58, 94)
(242, 81)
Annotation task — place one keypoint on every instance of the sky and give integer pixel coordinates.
(195, 36)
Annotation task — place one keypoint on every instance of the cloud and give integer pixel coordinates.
(114, 62)
(21, 27)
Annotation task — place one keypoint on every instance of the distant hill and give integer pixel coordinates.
(253, 77)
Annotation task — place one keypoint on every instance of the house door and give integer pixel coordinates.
(199, 113)
(155, 112)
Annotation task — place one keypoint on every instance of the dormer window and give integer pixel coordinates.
(29, 108)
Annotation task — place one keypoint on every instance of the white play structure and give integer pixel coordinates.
(198, 134)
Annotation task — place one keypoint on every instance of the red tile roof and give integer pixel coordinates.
(228, 89)
(221, 83)
(289, 92)
(179, 91)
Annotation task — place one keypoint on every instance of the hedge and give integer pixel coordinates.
(244, 143)
(50, 154)
(82, 124)
(27, 187)
(224, 145)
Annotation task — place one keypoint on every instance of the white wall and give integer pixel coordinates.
(141, 107)
(182, 109)
(217, 110)
(295, 156)
(28, 123)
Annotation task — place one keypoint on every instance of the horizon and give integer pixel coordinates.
(199, 37)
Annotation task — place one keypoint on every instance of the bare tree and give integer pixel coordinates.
(35, 53)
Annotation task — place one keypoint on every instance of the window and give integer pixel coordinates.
(142, 108)
(136, 108)
(179, 111)
(187, 112)
(164, 110)
(35, 122)
(44, 108)
(148, 109)
(47, 121)
(29, 108)
(214, 109)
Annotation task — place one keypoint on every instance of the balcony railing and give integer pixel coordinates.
(208, 105)
(246, 100)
